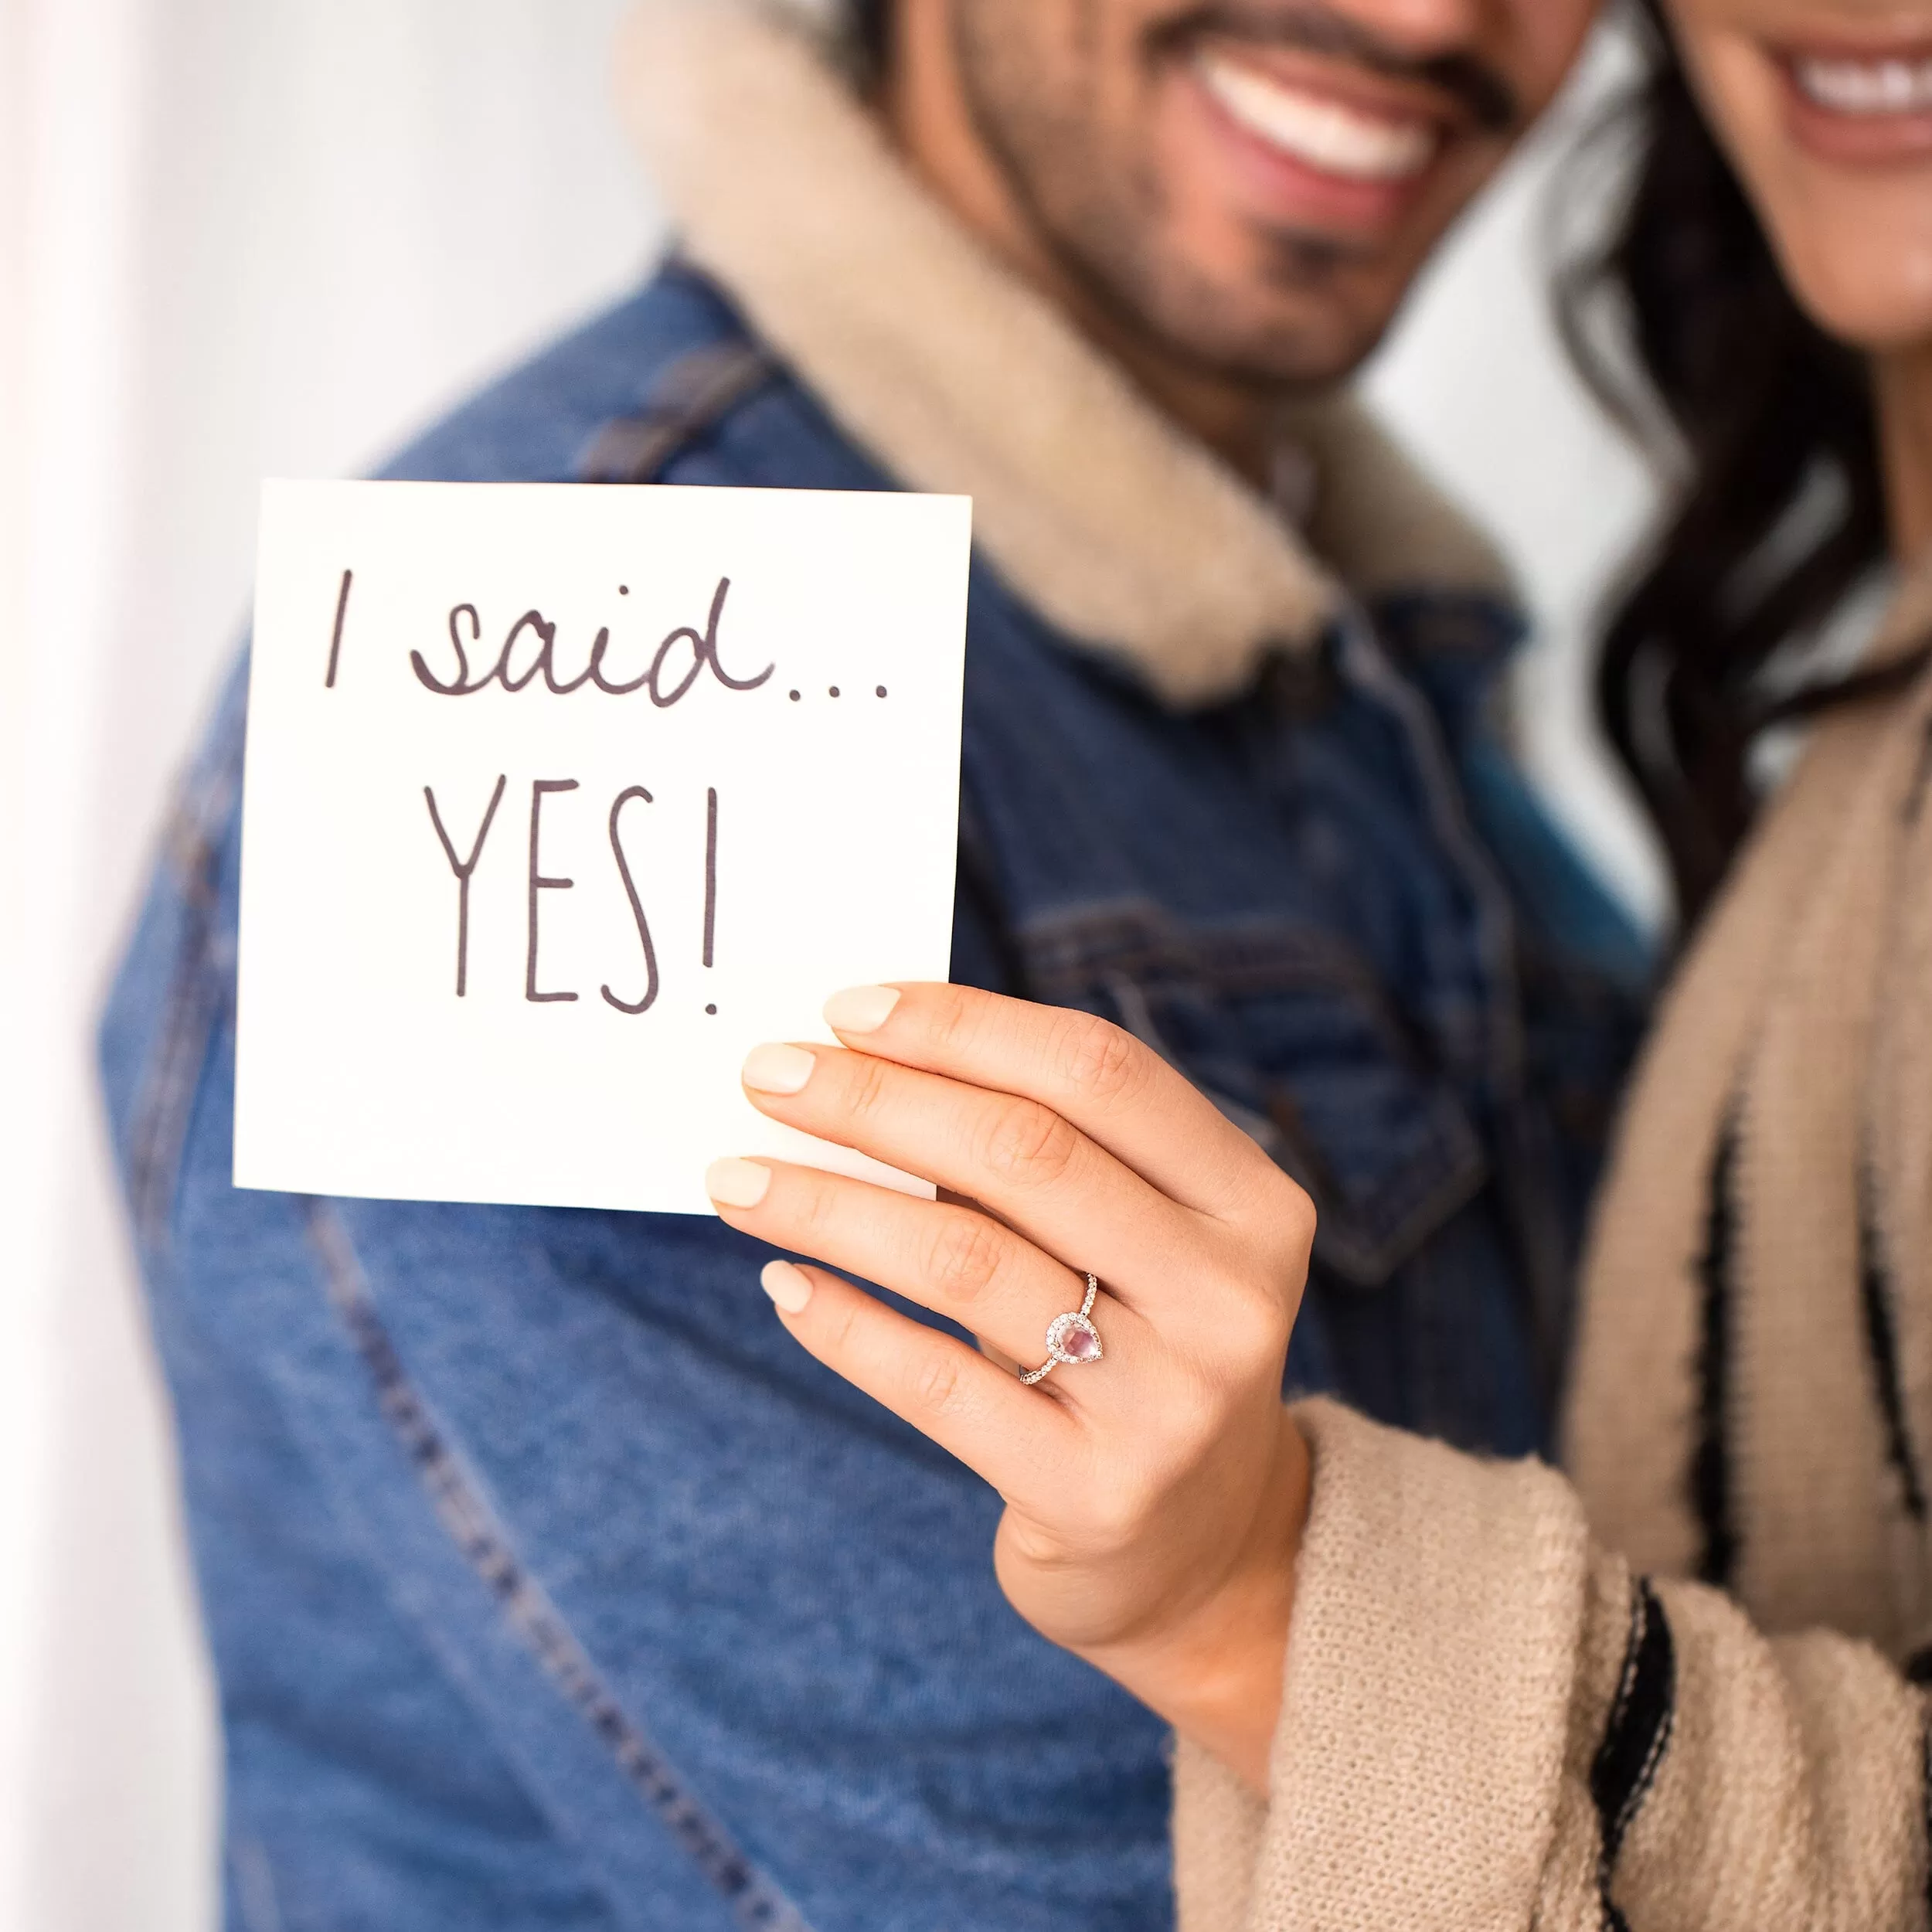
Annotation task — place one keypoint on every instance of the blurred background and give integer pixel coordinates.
(241, 238)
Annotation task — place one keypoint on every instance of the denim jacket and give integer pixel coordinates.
(549, 1584)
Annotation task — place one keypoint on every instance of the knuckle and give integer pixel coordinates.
(1100, 1061)
(1252, 1328)
(1291, 1218)
(817, 1205)
(1028, 1144)
(1278, 1215)
(838, 1338)
(952, 1018)
(866, 1086)
(1195, 1412)
(1264, 1181)
(936, 1382)
(965, 1256)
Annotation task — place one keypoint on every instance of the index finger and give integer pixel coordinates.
(1115, 1089)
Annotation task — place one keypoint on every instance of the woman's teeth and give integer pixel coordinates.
(1865, 87)
(1315, 130)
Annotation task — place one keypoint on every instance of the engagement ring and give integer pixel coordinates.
(1070, 1338)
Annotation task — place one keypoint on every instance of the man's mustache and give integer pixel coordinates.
(1484, 94)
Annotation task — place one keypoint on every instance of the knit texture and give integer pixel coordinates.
(1392, 1738)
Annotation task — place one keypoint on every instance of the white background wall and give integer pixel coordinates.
(242, 237)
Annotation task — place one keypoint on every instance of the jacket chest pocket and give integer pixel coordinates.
(1289, 1034)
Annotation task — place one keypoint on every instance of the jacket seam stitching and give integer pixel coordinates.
(467, 1519)
(158, 1131)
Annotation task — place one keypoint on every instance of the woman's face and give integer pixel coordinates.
(1825, 109)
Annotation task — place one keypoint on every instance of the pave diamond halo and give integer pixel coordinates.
(1071, 1339)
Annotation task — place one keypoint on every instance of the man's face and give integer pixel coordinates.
(1253, 184)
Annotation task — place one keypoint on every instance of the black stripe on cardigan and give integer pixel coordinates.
(1881, 1336)
(1636, 1737)
(1710, 1471)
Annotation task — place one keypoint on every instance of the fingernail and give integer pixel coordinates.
(861, 1009)
(778, 1070)
(734, 1183)
(789, 1288)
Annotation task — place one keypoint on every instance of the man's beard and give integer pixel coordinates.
(1103, 225)
(1102, 216)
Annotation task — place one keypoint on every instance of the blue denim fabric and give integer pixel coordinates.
(551, 1585)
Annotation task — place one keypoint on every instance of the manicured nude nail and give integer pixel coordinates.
(735, 1183)
(861, 1009)
(778, 1070)
(789, 1288)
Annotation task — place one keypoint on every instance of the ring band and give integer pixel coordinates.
(1070, 1338)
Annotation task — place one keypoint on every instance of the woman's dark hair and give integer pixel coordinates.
(1765, 425)
(869, 23)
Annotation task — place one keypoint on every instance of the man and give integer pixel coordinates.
(549, 1584)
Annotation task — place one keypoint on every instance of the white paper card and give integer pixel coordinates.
(748, 799)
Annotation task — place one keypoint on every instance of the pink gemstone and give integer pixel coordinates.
(1080, 1343)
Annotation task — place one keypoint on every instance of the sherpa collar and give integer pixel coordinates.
(1124, 532)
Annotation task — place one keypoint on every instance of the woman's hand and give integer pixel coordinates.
(1154, 1497)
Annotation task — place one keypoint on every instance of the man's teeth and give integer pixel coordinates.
(1315, 130)
(1869, 87)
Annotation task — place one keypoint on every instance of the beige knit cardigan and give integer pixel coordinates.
(1507, 1702)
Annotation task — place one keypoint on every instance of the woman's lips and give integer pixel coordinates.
(1314, 154)
(1859, 106)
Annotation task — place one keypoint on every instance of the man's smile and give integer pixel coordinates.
(1315, 127)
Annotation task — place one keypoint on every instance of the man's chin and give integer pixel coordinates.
(1270, 313)
(1269, 344)
(1283, 311)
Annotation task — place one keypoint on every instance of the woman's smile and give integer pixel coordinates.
(1864, 105)
(1825, 113)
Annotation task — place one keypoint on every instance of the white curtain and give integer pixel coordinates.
(237, 238)
(247, 237)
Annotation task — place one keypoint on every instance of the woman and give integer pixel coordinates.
(1697, 1710)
